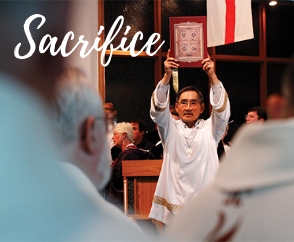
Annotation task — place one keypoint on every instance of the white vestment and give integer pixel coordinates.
(253, 193)
(182, 177)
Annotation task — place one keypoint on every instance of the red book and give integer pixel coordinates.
(188, 40)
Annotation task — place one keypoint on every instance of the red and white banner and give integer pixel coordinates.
(228, 21)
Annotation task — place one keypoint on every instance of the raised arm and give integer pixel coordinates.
(218, 99)
(208, 67)
(169, 64)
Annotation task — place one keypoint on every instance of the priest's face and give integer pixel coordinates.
(189, 107)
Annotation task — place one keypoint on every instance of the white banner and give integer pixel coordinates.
(228, 21)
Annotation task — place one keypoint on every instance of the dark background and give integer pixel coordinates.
(129, 82)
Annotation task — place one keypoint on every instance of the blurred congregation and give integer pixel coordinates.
(144, 149)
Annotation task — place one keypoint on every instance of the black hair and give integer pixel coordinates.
(261, 113)
(113, 106)
(190, 88)
(141, 123)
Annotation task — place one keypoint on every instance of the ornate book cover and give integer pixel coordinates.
(188, 42)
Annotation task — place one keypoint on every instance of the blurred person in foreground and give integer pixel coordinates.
(36, 197)
(39, 201)
(252, 196)
(81, 124)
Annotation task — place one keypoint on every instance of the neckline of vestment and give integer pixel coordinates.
(198, 124)
(189, 135)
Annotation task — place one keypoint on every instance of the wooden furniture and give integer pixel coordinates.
(145, 175)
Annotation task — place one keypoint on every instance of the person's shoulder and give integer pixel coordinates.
(197, 218)
(145, 144)
(136, 154)
(113, 225)
(142, 155)
(152, 136)
(254, 156)
(203, 122)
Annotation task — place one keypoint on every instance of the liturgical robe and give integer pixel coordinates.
(184, 175)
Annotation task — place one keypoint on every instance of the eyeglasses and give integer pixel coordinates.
(250, 117)
(193, 102)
